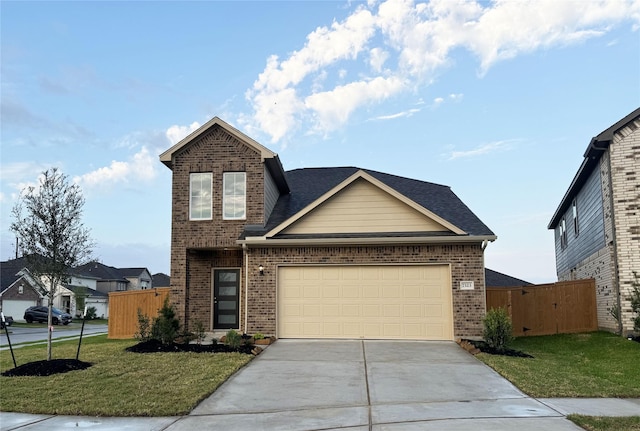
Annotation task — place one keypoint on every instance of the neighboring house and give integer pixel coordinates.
(111, 279)
(161, 280)
(84, 288)
(498, 279)
(18, 289)
(597, 224)
(318, 253)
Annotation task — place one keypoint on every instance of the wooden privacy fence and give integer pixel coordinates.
(123, 309)
(544, 309)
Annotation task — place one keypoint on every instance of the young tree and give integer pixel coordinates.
(47, 222)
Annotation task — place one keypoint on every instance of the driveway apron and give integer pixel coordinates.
(369, 385)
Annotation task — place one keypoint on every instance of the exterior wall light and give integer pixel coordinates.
(261, 269)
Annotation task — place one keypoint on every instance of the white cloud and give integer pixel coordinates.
(377, 58)
(175, 133)
(140, 167)
(482, 150)
(407, 113)
(332, 108)
(400, 41)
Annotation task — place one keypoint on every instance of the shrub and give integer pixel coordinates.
(92, 313)
(635, 300)
(497, 329)
(233, 339)
(144, 327)
(166, 326)
(198, 331)
(258, 336)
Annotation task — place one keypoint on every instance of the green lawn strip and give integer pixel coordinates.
(600, 423)
(598, 364)
(119, 383)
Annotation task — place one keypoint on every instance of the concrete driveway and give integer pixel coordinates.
(369, 385)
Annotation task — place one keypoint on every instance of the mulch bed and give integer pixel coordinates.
(484, 348)
(47, 368)
(155, 346)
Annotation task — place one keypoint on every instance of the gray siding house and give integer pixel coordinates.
(597, 224)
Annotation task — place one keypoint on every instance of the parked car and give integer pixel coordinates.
(8, 320)
(40, 313)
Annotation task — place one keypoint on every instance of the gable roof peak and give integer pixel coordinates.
(166, 157)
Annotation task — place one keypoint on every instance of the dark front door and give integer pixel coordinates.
(226, 288)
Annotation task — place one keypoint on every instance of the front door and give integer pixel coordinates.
(226, 289)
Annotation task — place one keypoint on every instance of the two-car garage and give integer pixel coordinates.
(365, 301)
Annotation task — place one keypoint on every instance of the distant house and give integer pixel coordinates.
(18, 289)
(497, 279)
(111, 279)
(597, 223)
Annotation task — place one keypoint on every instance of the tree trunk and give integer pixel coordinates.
(49, 326)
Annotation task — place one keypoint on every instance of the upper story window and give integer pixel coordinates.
(234, 197)
(574, 210)
(562, 228)
(200, 185)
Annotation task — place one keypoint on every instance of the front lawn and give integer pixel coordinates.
(597, 364)
(599, 423)
(119, 383)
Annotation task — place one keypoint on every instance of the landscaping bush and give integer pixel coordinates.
(233, 339)
(92, 313)
(635, 301)
(198, 331)
(498, 330)
(166, 326)
(144, 327)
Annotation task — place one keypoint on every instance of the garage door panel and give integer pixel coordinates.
(394, 302)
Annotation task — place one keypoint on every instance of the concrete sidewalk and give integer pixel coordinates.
(358, 385)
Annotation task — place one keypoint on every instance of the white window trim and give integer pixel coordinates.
(224, 195)
(191, 216)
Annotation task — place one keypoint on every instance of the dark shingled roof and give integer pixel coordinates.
(8, 271)
(100, 271)
(161, 280)
(497, 279)
(309, 184)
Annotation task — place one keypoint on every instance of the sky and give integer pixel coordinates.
(496, 99)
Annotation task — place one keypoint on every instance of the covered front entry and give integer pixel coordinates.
(365, 301)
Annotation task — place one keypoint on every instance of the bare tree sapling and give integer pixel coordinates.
(47, 220)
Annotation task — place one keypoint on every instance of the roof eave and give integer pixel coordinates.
(263, 241)
(597, 146)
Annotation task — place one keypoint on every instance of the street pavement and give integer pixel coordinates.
(28, 335)
(355, 385)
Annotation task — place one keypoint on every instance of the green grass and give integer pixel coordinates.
(599, 423)
(119, 383)
(597, 364)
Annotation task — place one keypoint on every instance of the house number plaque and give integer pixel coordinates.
(466, 285)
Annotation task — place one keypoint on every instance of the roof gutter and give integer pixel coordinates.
(271, 242)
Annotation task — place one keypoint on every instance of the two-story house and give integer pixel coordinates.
(318, 253)
(111, 279)
(597, 224)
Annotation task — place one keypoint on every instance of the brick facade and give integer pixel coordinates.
(215, 151)
(625, 186)
(467, 263)
(200, 247)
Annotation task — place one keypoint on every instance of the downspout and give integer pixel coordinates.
(246, 286)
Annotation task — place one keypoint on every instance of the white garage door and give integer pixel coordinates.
(371, 302)
(15, 308)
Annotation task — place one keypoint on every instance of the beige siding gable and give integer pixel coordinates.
(362, 207)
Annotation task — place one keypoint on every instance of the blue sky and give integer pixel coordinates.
(497, 100)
